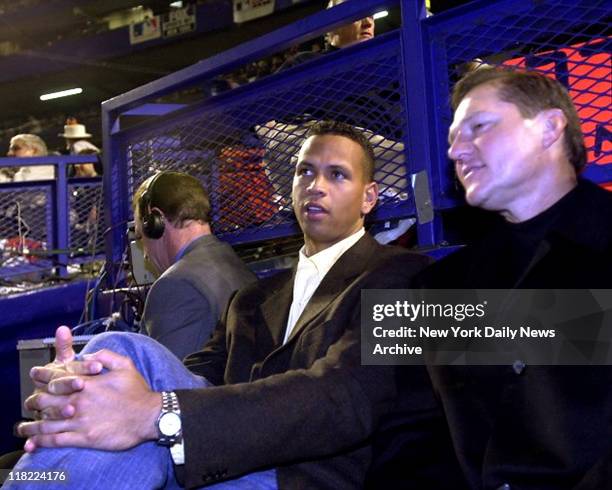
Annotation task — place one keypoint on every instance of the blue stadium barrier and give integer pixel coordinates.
(48, 225)
(242, 142)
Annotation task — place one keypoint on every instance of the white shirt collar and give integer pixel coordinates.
(311, 271)
(324, 260)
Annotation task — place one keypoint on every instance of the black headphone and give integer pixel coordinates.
(152, 219)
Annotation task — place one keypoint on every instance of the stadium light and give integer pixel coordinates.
(381, 14)
(63, 93)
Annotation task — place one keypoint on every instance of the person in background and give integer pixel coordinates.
(342, 37)
(76, 137)
(350, 34)
(25, 146)
(199, 272)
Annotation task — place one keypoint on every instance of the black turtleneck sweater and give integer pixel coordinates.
(567, 246)
(533, 427)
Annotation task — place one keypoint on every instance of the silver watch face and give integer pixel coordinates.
(170, 424)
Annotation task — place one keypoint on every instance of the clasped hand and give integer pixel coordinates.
(80, 406)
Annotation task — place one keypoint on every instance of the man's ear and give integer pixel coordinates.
(554, 123)
(370, 196)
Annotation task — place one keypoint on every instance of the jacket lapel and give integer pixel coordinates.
(349, 265)
(275, 309)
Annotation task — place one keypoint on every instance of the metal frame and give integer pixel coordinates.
(424, 75)
(115, 138)
(58, 221)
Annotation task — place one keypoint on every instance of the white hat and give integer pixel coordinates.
(75, 131)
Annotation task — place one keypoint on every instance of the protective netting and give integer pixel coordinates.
(86, 218)
(244, 149)
(25, 218)
(243, 143)
(30, 227)
(567, 40)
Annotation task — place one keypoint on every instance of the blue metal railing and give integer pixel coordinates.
(241, 142)
(45, 225)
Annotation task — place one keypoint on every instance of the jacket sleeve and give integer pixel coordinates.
(296, 415)
(211, 360)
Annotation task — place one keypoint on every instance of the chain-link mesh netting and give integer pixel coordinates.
(29, 227)
(568, 40)
(244, 149)
(25, 218)
(86, 218)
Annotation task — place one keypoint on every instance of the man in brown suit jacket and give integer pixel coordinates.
(283, 389)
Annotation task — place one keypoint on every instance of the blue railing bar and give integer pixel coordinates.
(153, 109)
(598, 173)
(463, 15)
(116, 209)
(440, 252)
(385, 212)
(270, 43)
(267, 84)
(261, 234)
(48, 160)
(417, 83)
(62, 216)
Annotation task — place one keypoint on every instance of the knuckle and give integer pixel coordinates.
(45, 428)
(32, 401)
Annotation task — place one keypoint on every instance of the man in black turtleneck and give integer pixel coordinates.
(517, 147)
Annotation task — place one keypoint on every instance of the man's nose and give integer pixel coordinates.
(316, 185)
(367, 21)
(460, 148)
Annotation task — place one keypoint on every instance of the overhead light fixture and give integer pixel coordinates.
(381, 14)
(63, 93)
(177, 5)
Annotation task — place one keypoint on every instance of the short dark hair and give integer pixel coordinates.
(179, 196)
(531, 92)
(338, 128)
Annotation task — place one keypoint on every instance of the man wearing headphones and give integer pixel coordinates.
(198, 271)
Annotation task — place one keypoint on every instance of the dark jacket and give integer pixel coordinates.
(533, 427)
(306, 407)
(187, 300)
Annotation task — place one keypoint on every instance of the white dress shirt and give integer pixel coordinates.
(310, 272)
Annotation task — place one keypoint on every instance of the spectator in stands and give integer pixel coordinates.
(29, 145)
(289, 390)
(342, 37)
(86, 201)
(76, 137)
(518, 147)
(356, 32)
(198, 272)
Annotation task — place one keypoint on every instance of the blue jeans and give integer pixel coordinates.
(146, 466)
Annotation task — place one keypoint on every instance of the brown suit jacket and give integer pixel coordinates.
(307, 407)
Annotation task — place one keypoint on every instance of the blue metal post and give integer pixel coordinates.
(416, 70)
(62, 238)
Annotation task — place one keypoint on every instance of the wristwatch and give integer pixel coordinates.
(169, 420)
